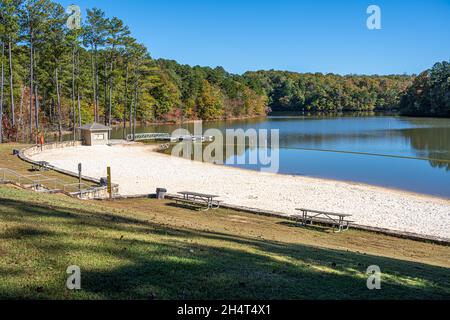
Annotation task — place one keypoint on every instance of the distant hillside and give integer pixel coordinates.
(290, 91)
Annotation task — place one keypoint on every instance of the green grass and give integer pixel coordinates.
(149, 249)
(8, 161)
(151, 255)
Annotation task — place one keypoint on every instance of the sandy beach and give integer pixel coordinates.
(140, 170)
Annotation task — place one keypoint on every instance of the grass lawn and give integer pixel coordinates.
(8, 161)
(149, 249)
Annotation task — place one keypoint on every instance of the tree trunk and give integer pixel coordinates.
(79, 108)
(136, 105)
(1, 94)
(93, 85)
(110, 94)
(30, 116)
(36, 108)
(22, 94)
(131, 112)
(125, 105)
(11, 84)
(106, 93)
(58, 94)
(52, 111)
(78, 89)
(73, 95)
(97, 97)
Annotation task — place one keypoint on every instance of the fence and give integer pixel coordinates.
(41, 183)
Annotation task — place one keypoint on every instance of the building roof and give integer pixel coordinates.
(94, 127)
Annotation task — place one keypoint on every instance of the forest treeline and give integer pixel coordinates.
(290, 91)
(54, 78)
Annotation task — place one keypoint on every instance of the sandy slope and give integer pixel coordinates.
(139, 170)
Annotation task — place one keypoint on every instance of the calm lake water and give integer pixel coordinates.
(383, 135)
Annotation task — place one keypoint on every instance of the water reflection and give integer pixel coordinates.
(433, 143)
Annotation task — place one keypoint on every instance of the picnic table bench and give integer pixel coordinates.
(201, 200)
(338, 220)
(41, 166)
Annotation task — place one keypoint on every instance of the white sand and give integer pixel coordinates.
(139, 170)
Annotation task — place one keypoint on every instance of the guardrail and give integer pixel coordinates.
(99, 191)
(42, 183)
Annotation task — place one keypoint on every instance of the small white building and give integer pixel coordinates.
(95, 134)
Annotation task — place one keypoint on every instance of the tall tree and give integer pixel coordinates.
(117, 34)
(73, 38)
(9, 24)
(33, 19)
(126, 54)
(95, 36)
(59, 49)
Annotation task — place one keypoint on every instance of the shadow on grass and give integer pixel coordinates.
(138, 259)
(317, 228)
(185, 206)
(24, 232)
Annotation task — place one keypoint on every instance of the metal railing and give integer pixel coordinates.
(41, 183)
(167, 137)
(148, 136)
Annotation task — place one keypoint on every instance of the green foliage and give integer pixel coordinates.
(167, 98)
(429, 95)
(209, 102)
(289, 91)
(208, 93)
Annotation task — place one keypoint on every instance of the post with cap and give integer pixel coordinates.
(108, 171)
(79, 176)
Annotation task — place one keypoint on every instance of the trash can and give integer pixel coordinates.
(161, 193)
(103, 182)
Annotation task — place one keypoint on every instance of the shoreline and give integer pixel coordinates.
(119, 125)
(139, 169)
(350, 182)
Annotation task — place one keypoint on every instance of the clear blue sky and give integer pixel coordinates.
(304, 36)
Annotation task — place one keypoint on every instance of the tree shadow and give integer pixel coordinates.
(185, 206)
(150, 261)
(19, 233)
(317, 228)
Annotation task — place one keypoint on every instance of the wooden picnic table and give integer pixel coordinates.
(337, 219)
(199, 199)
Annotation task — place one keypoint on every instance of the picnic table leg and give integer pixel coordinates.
(347, 226)
(341, 221)
(215, 207)
(206, 202)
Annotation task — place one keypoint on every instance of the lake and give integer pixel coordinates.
(331, 146)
